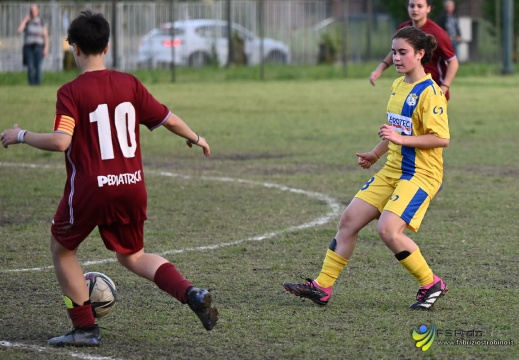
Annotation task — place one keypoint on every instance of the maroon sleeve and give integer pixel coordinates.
(65, 103)
(152, 113)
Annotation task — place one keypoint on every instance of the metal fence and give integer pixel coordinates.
(299, 24)
(303, 25)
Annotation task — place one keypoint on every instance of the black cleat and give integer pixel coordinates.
(90, 336)
(310, 290)
(427, 295)
(201, 302)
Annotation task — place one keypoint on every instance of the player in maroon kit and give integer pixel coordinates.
(97, 126)
(444, 64)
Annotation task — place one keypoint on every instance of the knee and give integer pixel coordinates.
(386, 233)
(124, 260)
(346, 220)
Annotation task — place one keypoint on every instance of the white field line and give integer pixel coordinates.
(41, 349)
(334, 210)
(334, 206)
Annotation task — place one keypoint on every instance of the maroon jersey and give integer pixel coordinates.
(102, 110)
(437, 67)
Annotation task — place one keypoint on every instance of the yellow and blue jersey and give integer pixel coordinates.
(414, 110)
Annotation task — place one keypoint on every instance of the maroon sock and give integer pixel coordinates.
(169, 279)
(82, 316)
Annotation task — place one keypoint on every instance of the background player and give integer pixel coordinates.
(444, 63)
(97, 126)
(400, 193)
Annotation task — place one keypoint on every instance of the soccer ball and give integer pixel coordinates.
(103, 294)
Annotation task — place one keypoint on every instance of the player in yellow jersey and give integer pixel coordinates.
(400, 193)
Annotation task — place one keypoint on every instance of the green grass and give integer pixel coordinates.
(302, 134)
(251, 73)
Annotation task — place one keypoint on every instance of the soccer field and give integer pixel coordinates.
(262, 210)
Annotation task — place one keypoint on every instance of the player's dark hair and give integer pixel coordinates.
(418, 41)
(429, 2)
(90, 32)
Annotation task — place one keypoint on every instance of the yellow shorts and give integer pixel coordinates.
(401, 197)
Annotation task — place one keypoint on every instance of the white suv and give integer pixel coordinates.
(201, 42)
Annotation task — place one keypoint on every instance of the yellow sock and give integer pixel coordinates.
(417, 266)
(332, 267)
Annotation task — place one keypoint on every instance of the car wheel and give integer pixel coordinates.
(276, 58)
(198, 59)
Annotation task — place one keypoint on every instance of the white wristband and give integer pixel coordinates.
(21, 136)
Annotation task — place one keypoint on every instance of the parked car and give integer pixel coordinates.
(204, 41)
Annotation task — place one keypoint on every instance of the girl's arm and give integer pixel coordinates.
(367, 159)
(46, 41)
(177, 126)
(23, 23)
(427, 141)
(384, 64)
(49, 141)
(450, 74)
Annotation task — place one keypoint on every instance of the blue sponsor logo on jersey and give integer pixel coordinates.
(438, 110)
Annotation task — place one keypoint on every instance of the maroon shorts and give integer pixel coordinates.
(125, 239)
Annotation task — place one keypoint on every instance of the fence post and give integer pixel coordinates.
(230, 57)
(172, 33)
(508, 36)
(55, 36)
(262, 36)
(115, 62)
(344, 53)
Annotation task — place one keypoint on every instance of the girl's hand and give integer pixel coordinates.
(202, 143)
(386, 132)
(365, 160)
(374, 76)
(10, 136)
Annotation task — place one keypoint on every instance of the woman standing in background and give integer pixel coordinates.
(35, 43)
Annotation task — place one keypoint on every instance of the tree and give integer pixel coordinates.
(492, 10)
